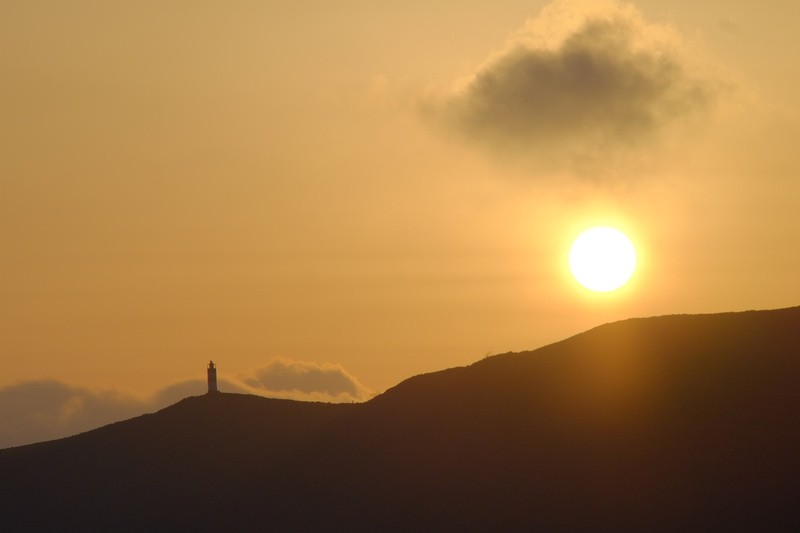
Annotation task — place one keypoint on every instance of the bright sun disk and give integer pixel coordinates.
(602, 259)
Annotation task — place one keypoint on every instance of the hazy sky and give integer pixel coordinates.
(327, 198)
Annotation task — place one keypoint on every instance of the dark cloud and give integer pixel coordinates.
(317, 380)
(611, 82)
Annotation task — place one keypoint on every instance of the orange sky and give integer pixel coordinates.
(378, 191)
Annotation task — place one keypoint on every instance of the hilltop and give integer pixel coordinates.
(674, 422)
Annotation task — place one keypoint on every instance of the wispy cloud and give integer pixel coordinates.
(35, 411)
(317, 381)
(582, 81)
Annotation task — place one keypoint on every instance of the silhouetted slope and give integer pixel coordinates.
(677, 420)
(667, 422)
(155, 470)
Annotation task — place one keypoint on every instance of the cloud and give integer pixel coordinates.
(584, 80)
(308, 379)
(194, 387)
(35, 411)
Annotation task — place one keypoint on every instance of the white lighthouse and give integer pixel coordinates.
(212, 378)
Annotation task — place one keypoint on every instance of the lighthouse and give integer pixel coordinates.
(212, 378)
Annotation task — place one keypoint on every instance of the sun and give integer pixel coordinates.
(602, 259)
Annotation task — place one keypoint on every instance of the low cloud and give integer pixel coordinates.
(318, 381)
(35, 411)
(584, 80)
(194, 387)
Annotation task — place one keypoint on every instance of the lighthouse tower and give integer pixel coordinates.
(212, 378)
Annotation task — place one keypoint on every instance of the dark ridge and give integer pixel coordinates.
(672, 423)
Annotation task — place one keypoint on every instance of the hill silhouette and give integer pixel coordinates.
(674, 422)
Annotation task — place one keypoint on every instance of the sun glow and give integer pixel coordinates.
(602, 259)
